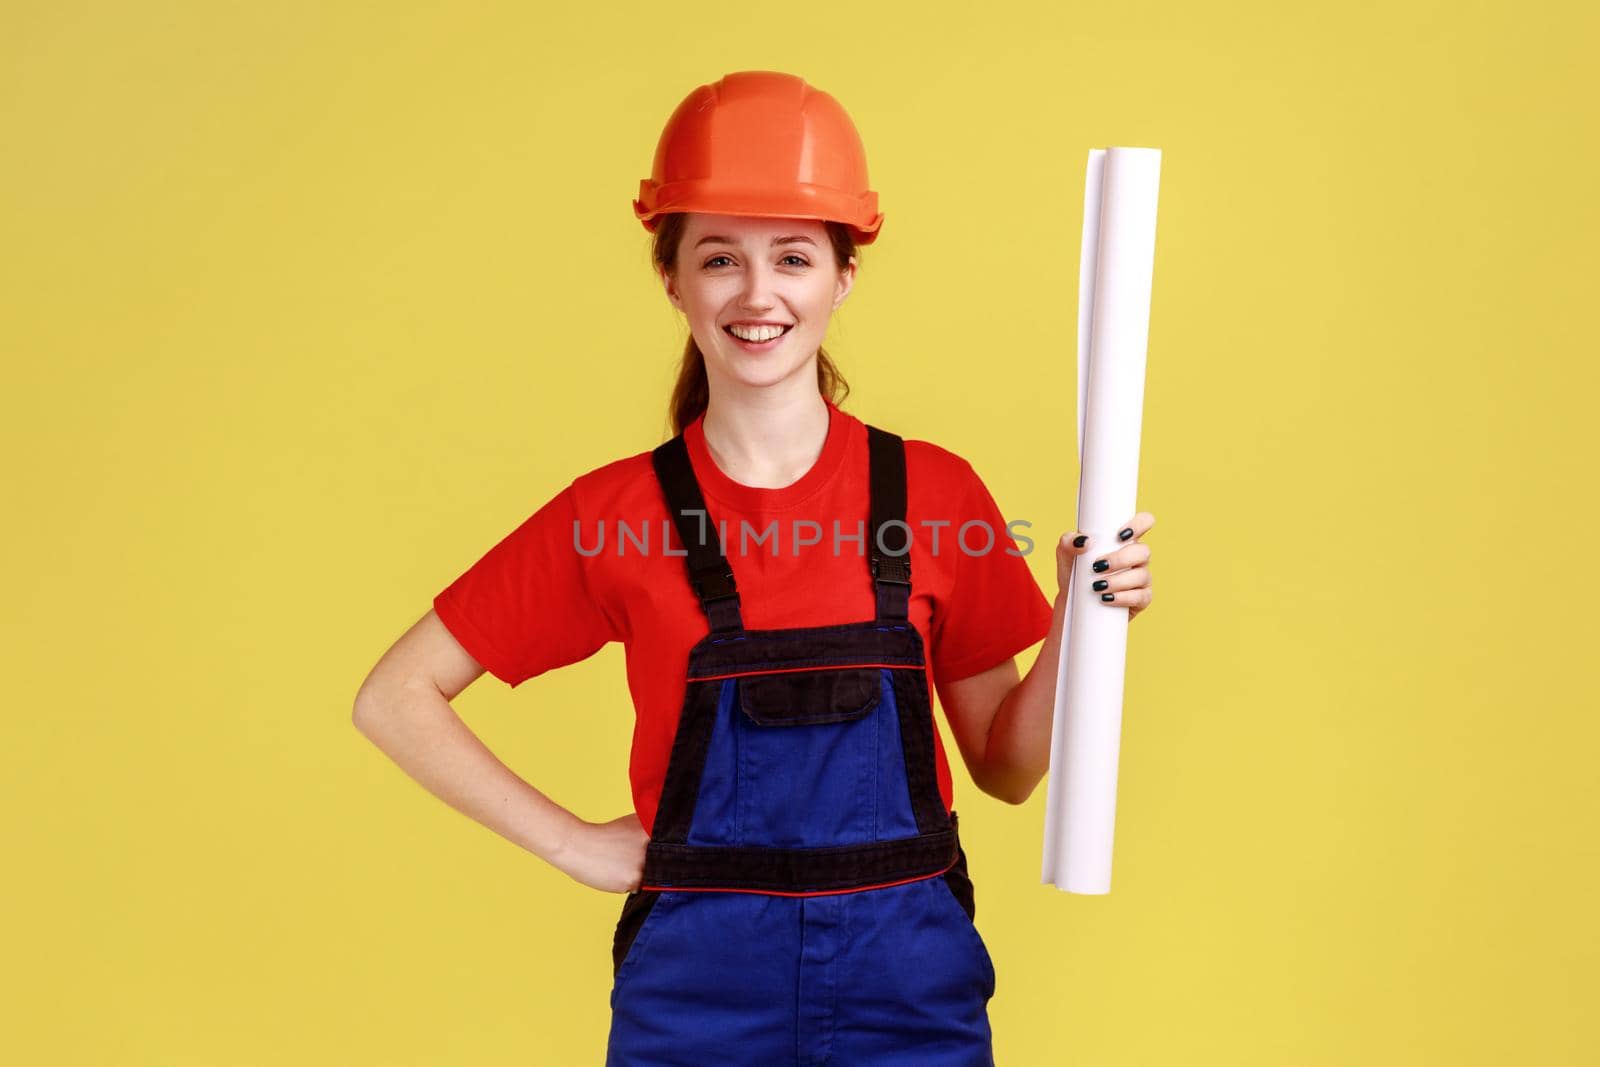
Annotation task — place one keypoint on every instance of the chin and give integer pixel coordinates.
(761, 377)
(758, 371)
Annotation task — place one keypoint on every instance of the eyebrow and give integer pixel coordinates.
(718, 239)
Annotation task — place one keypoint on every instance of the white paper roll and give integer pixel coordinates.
(1114, 275)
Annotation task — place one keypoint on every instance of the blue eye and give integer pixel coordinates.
(713, 259)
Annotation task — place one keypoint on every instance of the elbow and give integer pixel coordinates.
(1019, 797)
(1013, 789)
(1006, 789)
(1014, 796)
(365, 711)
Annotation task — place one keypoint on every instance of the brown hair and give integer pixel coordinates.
(691, 392)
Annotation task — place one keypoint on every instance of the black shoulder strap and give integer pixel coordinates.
(891, 564)
(709, 572)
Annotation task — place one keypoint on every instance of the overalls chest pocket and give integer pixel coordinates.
(800, 698)
(808, 745)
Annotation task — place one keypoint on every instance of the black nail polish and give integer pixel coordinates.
(1100, 584)
(1080, 540)
(1101, 565)
(1125, 534)
(1107, 596)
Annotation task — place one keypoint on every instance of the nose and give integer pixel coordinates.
(756, 293)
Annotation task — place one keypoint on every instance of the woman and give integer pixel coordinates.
(789, 584)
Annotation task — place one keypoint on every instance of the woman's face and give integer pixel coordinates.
(763, 276)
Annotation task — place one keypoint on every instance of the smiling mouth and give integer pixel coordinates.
(752, 341)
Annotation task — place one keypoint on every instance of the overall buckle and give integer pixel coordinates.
(891, 569)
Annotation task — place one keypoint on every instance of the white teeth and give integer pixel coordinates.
(756, 333)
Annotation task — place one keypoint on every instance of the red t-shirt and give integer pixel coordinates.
(550, 594)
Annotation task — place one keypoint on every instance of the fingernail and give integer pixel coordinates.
(1125, 534)
(1100, 583)
(1101, 565)
(1107, 596)
(1080, 540)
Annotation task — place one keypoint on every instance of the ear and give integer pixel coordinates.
(671, 287)
(847, 280)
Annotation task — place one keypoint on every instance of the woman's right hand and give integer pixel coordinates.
(606, 855)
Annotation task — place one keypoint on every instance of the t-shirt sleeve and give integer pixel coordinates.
(527, 606)
(996, 608)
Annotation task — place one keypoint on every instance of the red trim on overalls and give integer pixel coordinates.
(799, 670)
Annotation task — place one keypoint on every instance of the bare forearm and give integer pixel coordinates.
(1018, 752)
(417, 728)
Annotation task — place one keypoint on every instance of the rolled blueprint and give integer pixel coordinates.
(1114, 275)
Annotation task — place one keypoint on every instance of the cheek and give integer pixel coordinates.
(706, 303)
(817, 303)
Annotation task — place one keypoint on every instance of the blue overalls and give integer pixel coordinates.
(805, 899)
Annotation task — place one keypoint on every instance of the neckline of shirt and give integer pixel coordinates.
(714, 483)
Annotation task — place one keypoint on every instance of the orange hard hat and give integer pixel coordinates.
(759, 142)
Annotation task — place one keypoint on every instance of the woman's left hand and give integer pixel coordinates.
(1122, 577)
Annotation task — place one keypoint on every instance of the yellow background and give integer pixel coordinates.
(305, 305)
